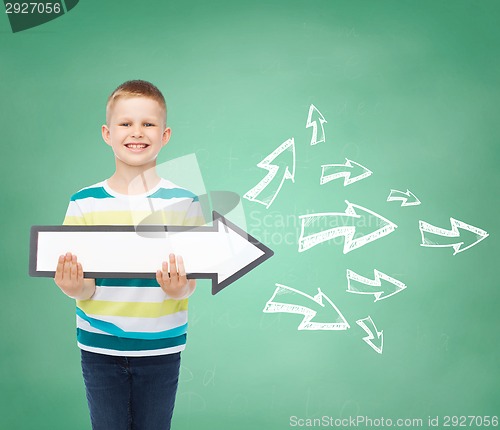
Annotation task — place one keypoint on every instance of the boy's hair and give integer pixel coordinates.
(136, 88)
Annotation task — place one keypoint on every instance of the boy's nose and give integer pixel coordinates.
(137, 132)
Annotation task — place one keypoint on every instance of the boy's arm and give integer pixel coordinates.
(172, 275)
(69, 273)
(69, 278)
(173, 280)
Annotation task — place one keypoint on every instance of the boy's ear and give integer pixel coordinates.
(166, 136)
(105, 134)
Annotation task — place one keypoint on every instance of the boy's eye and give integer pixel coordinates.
(128, 124)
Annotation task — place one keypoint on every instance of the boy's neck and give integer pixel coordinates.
(134, 180)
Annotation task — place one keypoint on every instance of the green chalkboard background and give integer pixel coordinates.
(410, 89)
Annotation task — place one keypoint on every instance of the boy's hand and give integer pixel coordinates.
(174, 281)
(69, 278)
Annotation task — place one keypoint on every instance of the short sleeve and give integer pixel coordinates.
(74, 214)
(194, 214)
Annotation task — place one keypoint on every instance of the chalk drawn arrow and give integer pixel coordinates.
(280, 165)
(350, 224)
(350, 171)
(369, 327)
(222, 252)
(313, 118)
(407, 199)
(461, 237)
(382, 287)
(289, 300)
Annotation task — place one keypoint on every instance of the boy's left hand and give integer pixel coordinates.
(173, 280)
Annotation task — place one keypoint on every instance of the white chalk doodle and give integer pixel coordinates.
(369, 327)
(313, 117)
(358, 284)
(350, 171)
(461, 237)
(407, 199)
(353, 214)
(265, 193)
(290, 300)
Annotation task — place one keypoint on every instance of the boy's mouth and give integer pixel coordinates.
(136, 147)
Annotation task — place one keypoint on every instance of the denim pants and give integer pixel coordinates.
(130, 393)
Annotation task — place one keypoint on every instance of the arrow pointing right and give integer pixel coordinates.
(407, 199)
(222, 252)
(289, 300)
(350, 171)
(461, 236)
(358, 284)
(345, 224)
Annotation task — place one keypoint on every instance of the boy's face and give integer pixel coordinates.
(136, 131)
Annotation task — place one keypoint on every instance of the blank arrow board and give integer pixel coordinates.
(223, 252)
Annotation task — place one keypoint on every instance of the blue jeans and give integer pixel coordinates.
(130, 393)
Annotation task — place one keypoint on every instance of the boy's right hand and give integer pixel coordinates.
(69, 278)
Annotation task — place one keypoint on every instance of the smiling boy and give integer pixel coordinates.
(131, 331)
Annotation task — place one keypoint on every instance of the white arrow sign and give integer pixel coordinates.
(289, 300)
(355, 215)
(313, 117)
(407, 199)
(265, 193)
(223, 252)
(350, 171)
(358, 284)
(369, 327)
(461, 237)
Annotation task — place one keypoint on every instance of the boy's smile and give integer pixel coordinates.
(136, 131)
(136, 147)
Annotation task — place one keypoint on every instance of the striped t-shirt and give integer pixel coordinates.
(132, 317)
